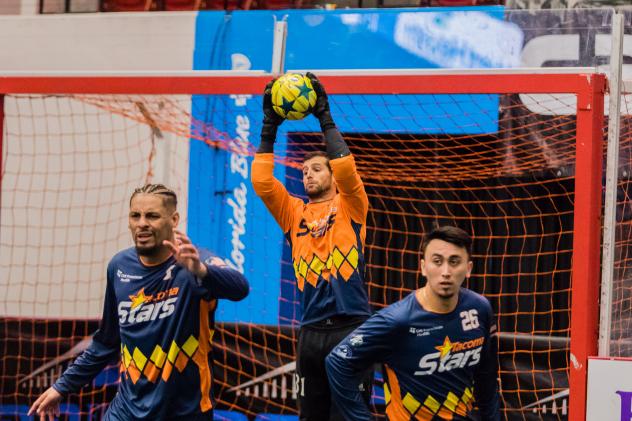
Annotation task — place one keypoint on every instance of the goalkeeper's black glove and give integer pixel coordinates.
(321, 110)
(271, 121)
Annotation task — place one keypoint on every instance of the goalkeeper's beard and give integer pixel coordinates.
(318, 192)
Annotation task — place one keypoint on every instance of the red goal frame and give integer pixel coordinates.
(589, 88)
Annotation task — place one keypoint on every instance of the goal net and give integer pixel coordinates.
(514, 158)
(620, 340)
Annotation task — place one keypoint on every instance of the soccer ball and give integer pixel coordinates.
(293, 96)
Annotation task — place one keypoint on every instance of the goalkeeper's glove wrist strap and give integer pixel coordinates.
(336, 146)
(265, 146)
(268, 136)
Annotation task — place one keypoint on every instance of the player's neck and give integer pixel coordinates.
(155, 260)
(434, 304)
(325, 197)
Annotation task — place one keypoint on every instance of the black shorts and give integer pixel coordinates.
(315, 341)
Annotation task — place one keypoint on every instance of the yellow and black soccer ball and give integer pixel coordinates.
(293, 96)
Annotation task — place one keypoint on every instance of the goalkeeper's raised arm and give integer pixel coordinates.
(352, 193)
(331, 224)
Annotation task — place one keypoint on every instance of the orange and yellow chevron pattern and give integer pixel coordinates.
(336, 263)
(409, 408)
(161, 362)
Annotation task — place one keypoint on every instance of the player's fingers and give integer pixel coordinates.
(33, 409)
(172, 247)
(182, 237)
(188, 251)
(43, 414)
(216, 261)
(188, 248)
(45, 405)
(318, 87)
(184, 256)
(267, 99)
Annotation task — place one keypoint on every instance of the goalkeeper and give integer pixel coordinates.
(327, 240)
(437, 345)
(158, 316)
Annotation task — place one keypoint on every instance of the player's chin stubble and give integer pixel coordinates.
(317, 192)
(147, 251)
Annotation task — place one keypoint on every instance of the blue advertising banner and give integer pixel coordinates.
(408, 39)
(224, 213)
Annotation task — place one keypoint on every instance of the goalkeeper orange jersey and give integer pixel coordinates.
(327, 239)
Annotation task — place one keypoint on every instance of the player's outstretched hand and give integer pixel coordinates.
(321, 109)
(47, 405)
(269, 115)
(186, 254)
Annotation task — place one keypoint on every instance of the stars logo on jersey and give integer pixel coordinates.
(144, 307)
(444, 350)
(451, 355)
(319, 227)
(139, 298)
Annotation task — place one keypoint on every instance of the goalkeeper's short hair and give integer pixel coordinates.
(316, 154)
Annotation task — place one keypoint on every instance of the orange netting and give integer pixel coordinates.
(69, 164)
(621, 314)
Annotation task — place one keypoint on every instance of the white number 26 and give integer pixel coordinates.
(469, 319)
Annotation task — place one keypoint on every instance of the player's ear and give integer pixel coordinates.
(422, 265)
(470, 265)
(175, 218)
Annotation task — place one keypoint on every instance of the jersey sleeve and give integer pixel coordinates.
(103, 349)
(369, 343)
(485, 377)
(352, 194)
(222, 281)
(272, 191)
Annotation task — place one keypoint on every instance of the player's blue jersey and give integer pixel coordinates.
(437, 366)
(160, 320)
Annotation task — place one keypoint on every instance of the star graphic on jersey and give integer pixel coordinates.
(445, 348)
(139, 298)
(287, 106)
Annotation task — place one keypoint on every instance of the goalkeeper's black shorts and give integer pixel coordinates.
(315, 341)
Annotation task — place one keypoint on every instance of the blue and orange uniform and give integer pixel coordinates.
(159, 320)
(327, 239)
(437, 366)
